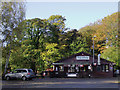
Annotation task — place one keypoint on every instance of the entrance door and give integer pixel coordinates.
(72, 71)
(72, 68)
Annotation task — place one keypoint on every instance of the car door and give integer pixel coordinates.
(18, 74)
(13, 74)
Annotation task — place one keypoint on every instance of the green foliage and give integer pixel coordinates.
(38, 47)
(106, 40)
(13, 13)
(51, 54)
(79, 45)
(111, 54)
(44, 41)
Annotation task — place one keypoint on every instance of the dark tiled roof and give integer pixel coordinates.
(96, 57)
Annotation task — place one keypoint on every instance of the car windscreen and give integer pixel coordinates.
(30, 70)
(23, 71)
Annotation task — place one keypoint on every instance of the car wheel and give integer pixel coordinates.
(24, 78)
(7, 78)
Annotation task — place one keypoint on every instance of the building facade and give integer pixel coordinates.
(83, 65)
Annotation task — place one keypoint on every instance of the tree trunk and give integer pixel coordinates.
(7, 60)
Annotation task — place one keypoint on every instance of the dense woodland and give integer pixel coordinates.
(37, 43)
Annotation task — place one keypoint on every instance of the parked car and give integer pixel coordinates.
(23, 74)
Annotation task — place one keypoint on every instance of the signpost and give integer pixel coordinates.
(82, 58)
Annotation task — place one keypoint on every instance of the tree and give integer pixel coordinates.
(35, 35)
(111, 54)
(106, 32)
(59, 21)
(79, 45)
(56, 27)
(12, 14)
(50, 55)
(38, 32)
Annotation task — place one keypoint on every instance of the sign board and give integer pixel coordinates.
(82, 57)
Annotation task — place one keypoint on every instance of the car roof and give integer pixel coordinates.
(21, 69)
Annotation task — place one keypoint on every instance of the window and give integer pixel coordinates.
(61, 68)
(98, 68)
(107, 67)
(71, 68)
(56, 69)
(103, 67)
(23, 71)
(15, 71)
(18, 71)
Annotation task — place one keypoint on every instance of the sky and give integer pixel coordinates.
(77, 14)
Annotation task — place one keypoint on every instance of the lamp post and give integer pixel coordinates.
(93, 49)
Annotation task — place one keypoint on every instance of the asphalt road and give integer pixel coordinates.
(63, 83)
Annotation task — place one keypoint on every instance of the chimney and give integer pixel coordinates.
(99, 59)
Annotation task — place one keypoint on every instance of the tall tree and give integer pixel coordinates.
(50, 55)
(66, 40)
(106, 32)
(111, 54)
(12, 14)
(56, 27)
(34, 32)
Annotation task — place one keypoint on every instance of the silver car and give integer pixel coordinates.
(23, 74)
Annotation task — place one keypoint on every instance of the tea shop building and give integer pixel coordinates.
(82, 65)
